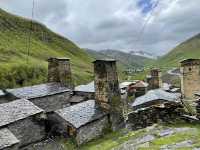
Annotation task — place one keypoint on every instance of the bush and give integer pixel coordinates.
(18, 75)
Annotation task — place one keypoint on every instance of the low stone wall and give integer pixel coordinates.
(53, 102)
(28, 130)
(91, 131)
(146, 117)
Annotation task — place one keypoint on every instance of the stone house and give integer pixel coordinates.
(154, 107)
(138, 89)
(82, 93)
(84, 121)
(23, 119)
(87, 120)
(156, 97)
(49, 96)
(190, 69)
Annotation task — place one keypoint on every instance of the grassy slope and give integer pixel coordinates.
(115, 139)
(188, 49)
(14, 69)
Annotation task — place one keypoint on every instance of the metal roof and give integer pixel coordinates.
(81, 114)
(7, 138)
(17, 110)
(36, 91)
(86, 88)
(155, 95)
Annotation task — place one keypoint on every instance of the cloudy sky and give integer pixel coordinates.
(154, 26)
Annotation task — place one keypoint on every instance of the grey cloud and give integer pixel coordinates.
(115, 24)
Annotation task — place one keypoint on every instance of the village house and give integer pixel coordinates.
(83, 92)
(154, 107)
(88, 120)
(21, 122)
(49, 96)
(84, 121)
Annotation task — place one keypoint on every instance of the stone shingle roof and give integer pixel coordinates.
(86, 88)
(37, 91)
(2, 93)
(17, 110)
(80, 114)
(155, 95)
(7, 138)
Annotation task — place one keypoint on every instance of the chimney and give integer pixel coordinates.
(190, 78)
(59, 70)
(155, 79)
(107, 92)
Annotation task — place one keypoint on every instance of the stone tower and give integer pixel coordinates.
(190, 79)
(155, 79)
(107, 92)
(59, 70)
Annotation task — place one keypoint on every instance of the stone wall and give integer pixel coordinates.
(190, 77)
(59, 70)
(53, 102)
(155, 80)
(28, 130)
(91, 131)
(107, 91)
(146, 117)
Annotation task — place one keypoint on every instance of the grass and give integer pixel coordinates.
(16, 71)
(115, 139)
(188, 49)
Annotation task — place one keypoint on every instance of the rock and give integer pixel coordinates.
(166, 132)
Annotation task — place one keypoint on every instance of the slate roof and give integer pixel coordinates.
(2, 93)
(86, 88)
(141, 84)
(37, 91)
(7, 138)
(154, 95)
(80, 114)
(17, 110)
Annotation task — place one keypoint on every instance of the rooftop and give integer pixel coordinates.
(127, 83)
(82, 113)
(2, 93)
(105, 60)
(17, 110)
(86, 88)
(7, 138)
(36, 91)
(141, 84)
(155, 95)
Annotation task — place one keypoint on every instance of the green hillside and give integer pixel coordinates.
(17, 69)
(188, 49)
(125, 60)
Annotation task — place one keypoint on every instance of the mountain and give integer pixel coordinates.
(125, 60)
(188, 49)
(143, 54)
(17, 68)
